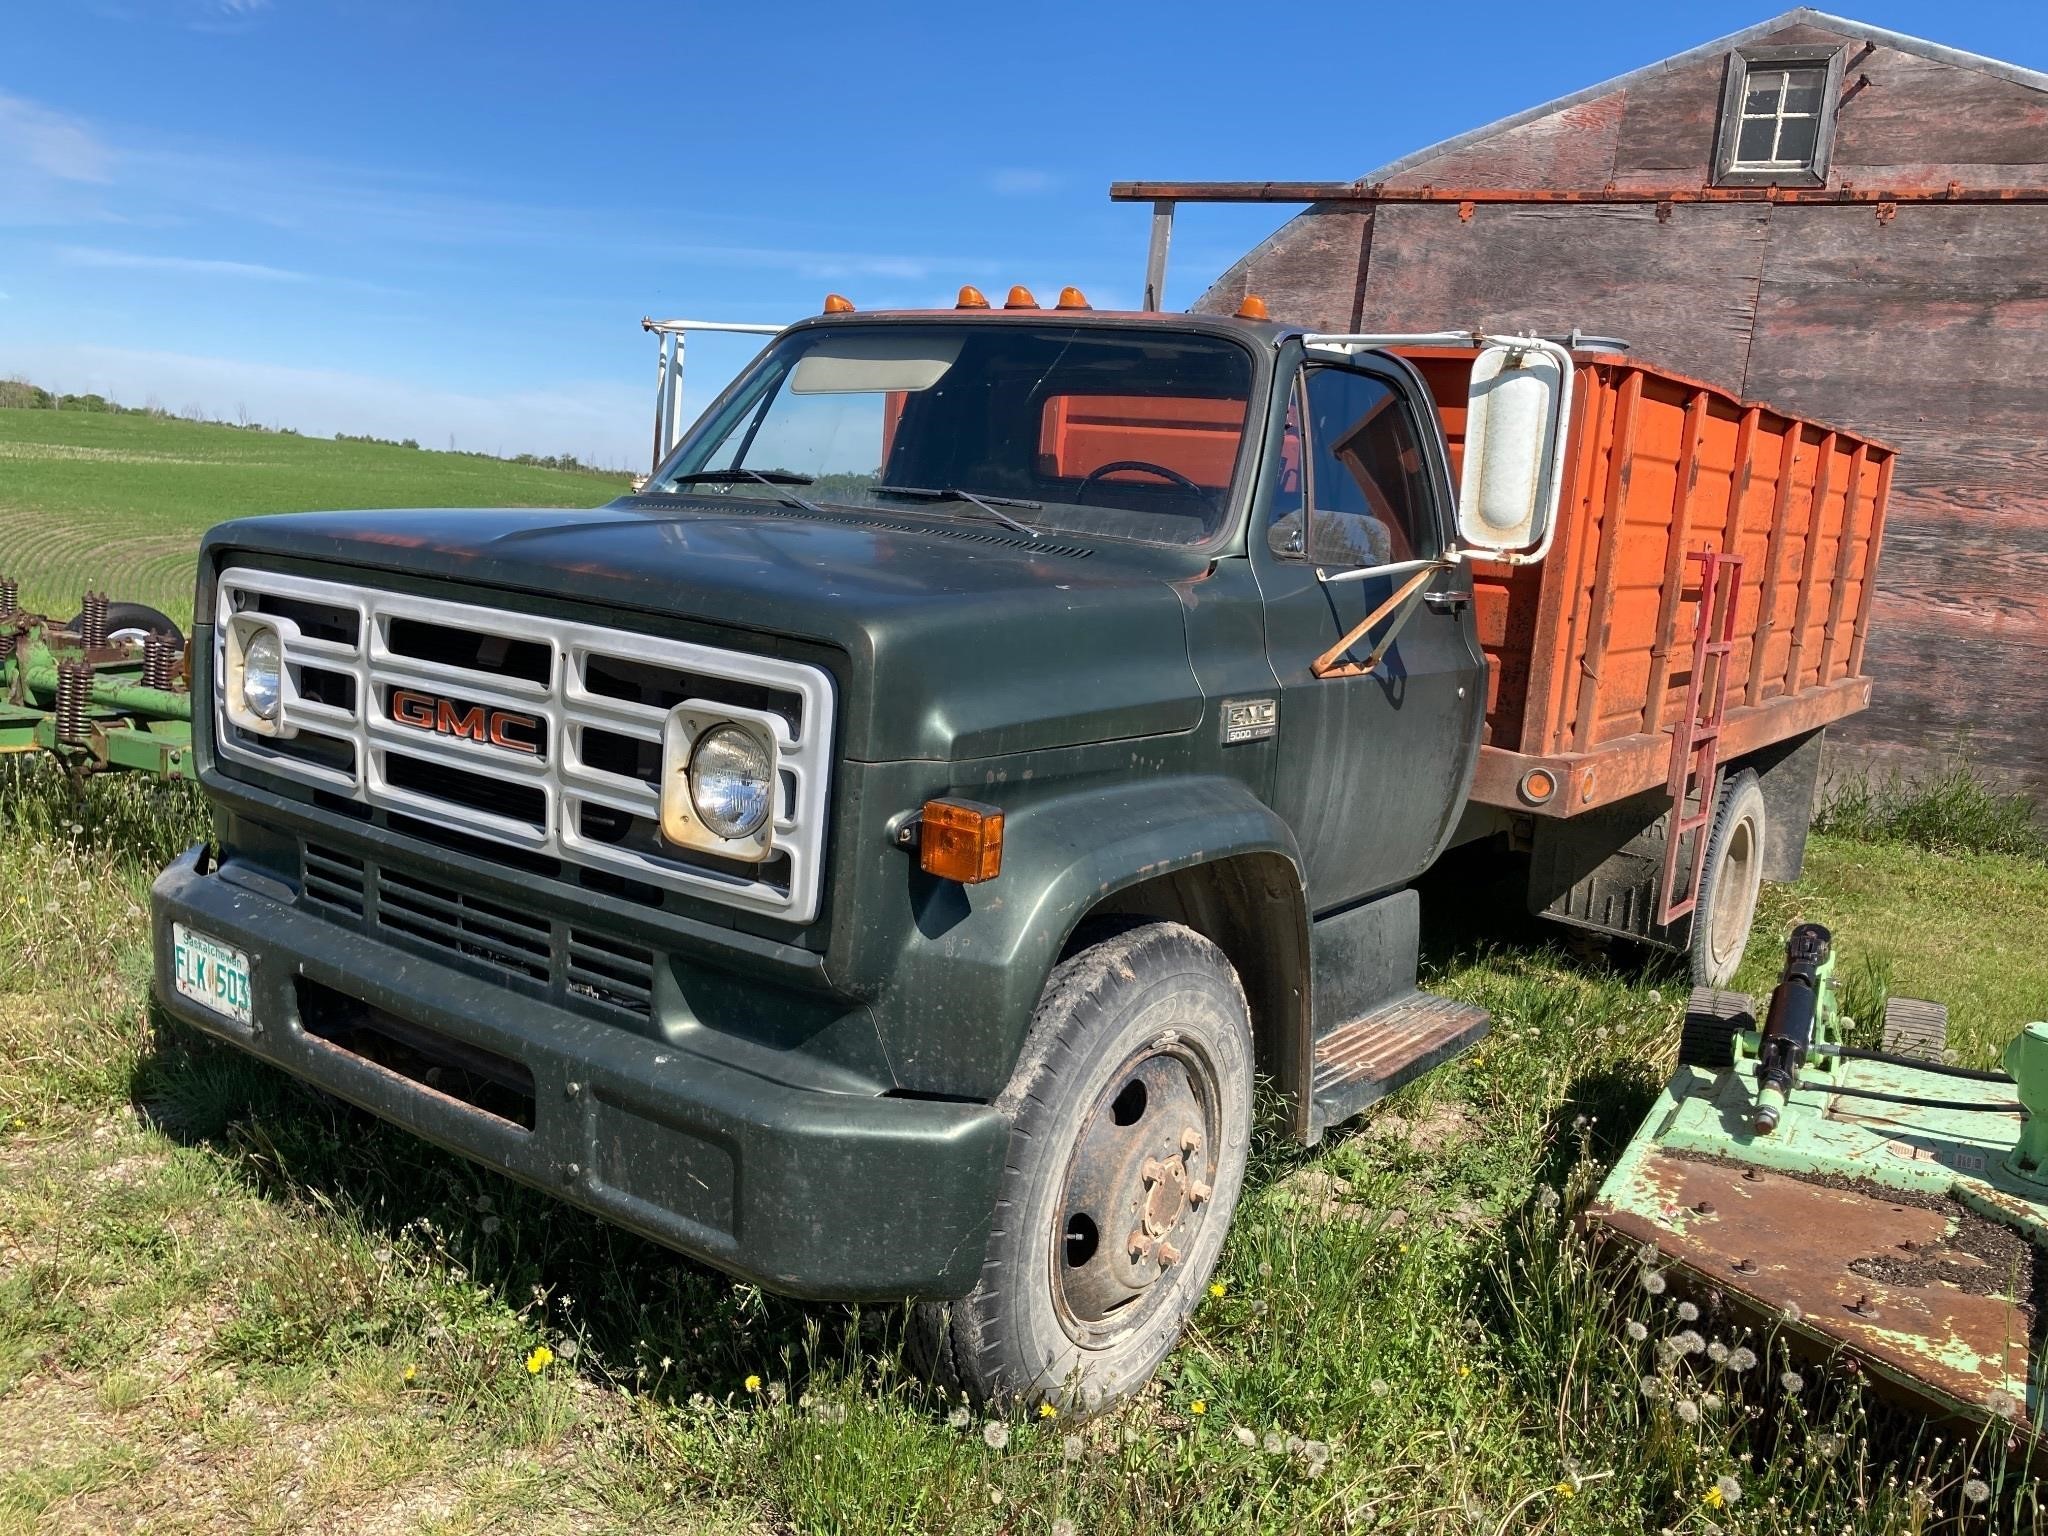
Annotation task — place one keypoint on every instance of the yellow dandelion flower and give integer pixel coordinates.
(1464, 1371)
(1047, 1411)
(1400, 1247)
(753, 1383)
(1218, 1287)
(1564, 1490)
(411, 1371)
(1198, 1407)
(1713, 1498)
(541, 1358)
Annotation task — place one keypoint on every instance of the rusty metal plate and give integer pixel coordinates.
(1926, 1293)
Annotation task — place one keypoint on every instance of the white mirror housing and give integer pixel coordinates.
(1519, 405)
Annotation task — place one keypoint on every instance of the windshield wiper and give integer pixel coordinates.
(992, 505)
(774, 479)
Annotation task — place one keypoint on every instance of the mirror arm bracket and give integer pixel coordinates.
(1400, 604)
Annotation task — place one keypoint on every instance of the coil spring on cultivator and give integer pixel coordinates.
(93, 623)
(10, 595)
(159, 660)
(74, 682)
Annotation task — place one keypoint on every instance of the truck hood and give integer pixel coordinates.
(961, 638)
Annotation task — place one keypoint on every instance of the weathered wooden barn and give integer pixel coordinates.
(1815, 213)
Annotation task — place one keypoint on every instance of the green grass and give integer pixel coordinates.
(119, 502)
(227, 1302)
(1950, 811)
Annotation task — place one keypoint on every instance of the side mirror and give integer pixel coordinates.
(1521, 395)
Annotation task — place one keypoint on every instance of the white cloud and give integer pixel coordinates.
(606, 420)
(52, 144)
(189, 266)
(1022, 181)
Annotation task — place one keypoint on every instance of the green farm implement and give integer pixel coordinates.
(1880, 1208)
(111, 688)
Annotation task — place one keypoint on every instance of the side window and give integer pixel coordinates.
(1369, 499)
(1290, 488)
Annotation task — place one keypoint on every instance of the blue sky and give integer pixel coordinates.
(436, 218)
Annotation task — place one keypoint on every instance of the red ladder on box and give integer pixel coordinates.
(1696, 738)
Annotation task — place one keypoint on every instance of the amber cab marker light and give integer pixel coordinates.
(838, 304)
(1073, 298)
(960, 840)
(1020, 298)
(972, 297)
(1253, 308)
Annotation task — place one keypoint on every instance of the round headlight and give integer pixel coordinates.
(262, 674)
(730, 784)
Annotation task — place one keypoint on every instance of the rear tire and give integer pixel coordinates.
(1915, 1029)
(1132, 1110)
(131, 621)
(1712, 1021)
(1730, 883)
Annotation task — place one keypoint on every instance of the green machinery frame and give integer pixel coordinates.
(94, 701)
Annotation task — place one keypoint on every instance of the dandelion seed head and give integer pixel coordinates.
(959, 1418)
(1729, 1488)
(1063, 1527)
(1274, 1443)
(1976, 1490)
(1637, 1332)
(1653, 1282)
(1071, 1448)
(1741, 1358)
(1688, 1313)
(1246, 1436)
(995, 1434)
(1378, 1388)
(1687, 1410)
(1718, 1352)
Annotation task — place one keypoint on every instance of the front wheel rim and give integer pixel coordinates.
(1136, 1196)
(1735, 894)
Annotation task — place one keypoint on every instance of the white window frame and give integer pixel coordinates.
(1729, 171)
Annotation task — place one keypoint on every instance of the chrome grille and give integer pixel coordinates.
(571, 964)
(581, 783)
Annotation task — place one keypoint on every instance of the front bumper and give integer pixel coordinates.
(809, 1193)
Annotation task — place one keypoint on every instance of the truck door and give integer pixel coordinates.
(1372, 770)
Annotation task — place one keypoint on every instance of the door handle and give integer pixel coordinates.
(1447, 602)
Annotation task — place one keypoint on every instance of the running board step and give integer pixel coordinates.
(1367, 1059)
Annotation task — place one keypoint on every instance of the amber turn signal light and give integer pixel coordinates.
(1253, 308)
(972, 297)
(960, 840)
(1537, 786)
(838, 304)
(1072, 298)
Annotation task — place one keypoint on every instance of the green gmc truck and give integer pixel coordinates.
(879, 857)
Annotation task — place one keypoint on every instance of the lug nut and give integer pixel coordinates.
(1190, 1140)
(1168, 1254)
(1140, 1244)
(1745, 1266)
(1150, 1172)
(1705, 1208)
(1198, 1192)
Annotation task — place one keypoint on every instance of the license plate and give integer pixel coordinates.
(209, 972)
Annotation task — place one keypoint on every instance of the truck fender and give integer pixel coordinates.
(960, 999)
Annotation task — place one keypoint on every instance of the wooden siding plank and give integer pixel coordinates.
(1871, 561)
(1613, 517)
(1573, 147)
(1809, 562)
(1831, 638)
(1685, 489)
(1774, 560)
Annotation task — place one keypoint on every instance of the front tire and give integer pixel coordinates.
(1132, 1111)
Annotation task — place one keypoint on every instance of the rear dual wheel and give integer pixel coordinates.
(1132, 1108)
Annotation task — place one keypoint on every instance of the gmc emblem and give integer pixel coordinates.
(472, 722)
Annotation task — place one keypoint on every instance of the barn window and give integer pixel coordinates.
(1778, 117)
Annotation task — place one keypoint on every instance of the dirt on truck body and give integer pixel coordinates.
(989, 740)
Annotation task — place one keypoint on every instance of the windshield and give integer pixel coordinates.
(1085, 428)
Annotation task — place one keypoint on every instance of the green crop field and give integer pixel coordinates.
(118, 502)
